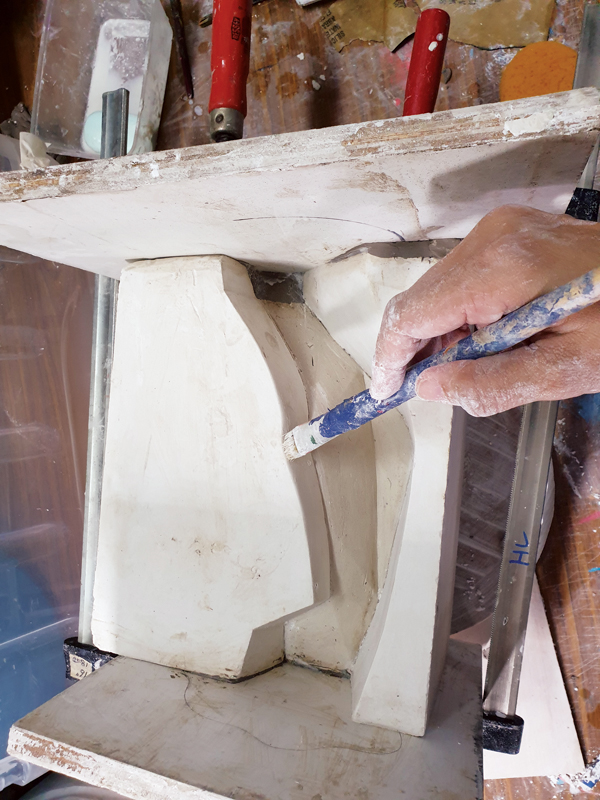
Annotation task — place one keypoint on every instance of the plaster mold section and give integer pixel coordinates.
(330, 634)
(209, 538)
(401, 657)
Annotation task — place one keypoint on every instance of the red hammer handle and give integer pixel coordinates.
(426, 62)
(230, 56)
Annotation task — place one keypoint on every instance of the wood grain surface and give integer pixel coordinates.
(298, 81)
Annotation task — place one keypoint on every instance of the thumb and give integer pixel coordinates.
(540, 371)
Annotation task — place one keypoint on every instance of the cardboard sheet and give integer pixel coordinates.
(495, 23)
(387, 21)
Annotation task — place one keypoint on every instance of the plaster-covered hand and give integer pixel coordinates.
(512, 256)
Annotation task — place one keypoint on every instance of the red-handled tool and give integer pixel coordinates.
(426, 62)
(229, 62)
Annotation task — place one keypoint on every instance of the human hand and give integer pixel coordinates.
(512, 256)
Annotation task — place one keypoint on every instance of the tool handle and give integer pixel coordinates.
(584, 204)
(512, 329)
(425, 70)
(230, 55)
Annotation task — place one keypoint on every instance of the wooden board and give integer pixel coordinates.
(297, 200)
(150, 732)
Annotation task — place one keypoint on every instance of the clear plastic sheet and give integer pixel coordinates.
(490, 451)
(45, 346)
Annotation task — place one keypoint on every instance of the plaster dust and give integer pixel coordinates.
(207, 536)
(401, 657)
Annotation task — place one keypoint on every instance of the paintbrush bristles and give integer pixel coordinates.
(289, 447)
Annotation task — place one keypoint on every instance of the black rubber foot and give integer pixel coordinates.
(83, 659)
(502, 734)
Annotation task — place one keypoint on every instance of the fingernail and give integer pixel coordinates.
(378, 393)
(381, 390)
(428, 388)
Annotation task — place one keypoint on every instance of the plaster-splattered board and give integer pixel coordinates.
(297, 200)
(151, 732)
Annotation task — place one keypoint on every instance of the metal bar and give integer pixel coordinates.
(589, 173)
(587, 71)
(115, 107)
(519, 558)
(102, 344)
(115, 110)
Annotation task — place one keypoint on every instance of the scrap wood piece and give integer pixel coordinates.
(389, 21)
(492, 24)
(150, 732)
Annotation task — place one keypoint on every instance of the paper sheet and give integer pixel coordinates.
(495, 23)
(387, 21)
(550, 745)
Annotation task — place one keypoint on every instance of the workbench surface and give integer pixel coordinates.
(298, 81)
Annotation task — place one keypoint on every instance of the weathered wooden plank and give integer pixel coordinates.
(150, 732)
(296, 200)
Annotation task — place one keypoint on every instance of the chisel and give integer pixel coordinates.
(229, 63)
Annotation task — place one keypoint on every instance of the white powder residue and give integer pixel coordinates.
(154, 170)
(534, 123)
(433, 45)
(316, 85)
(585, 782)
(300, 56)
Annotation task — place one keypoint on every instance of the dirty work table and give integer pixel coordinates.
(298, 81)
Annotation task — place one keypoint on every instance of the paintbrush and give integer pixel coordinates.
(512, 329)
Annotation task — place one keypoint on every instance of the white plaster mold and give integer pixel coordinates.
(208, 538)
(402, 654)
(215, 554)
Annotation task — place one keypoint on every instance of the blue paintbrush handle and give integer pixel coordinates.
(512, 329)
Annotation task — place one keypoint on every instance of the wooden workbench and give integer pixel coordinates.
(290, 59)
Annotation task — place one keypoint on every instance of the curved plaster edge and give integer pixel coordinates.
(402, 655)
